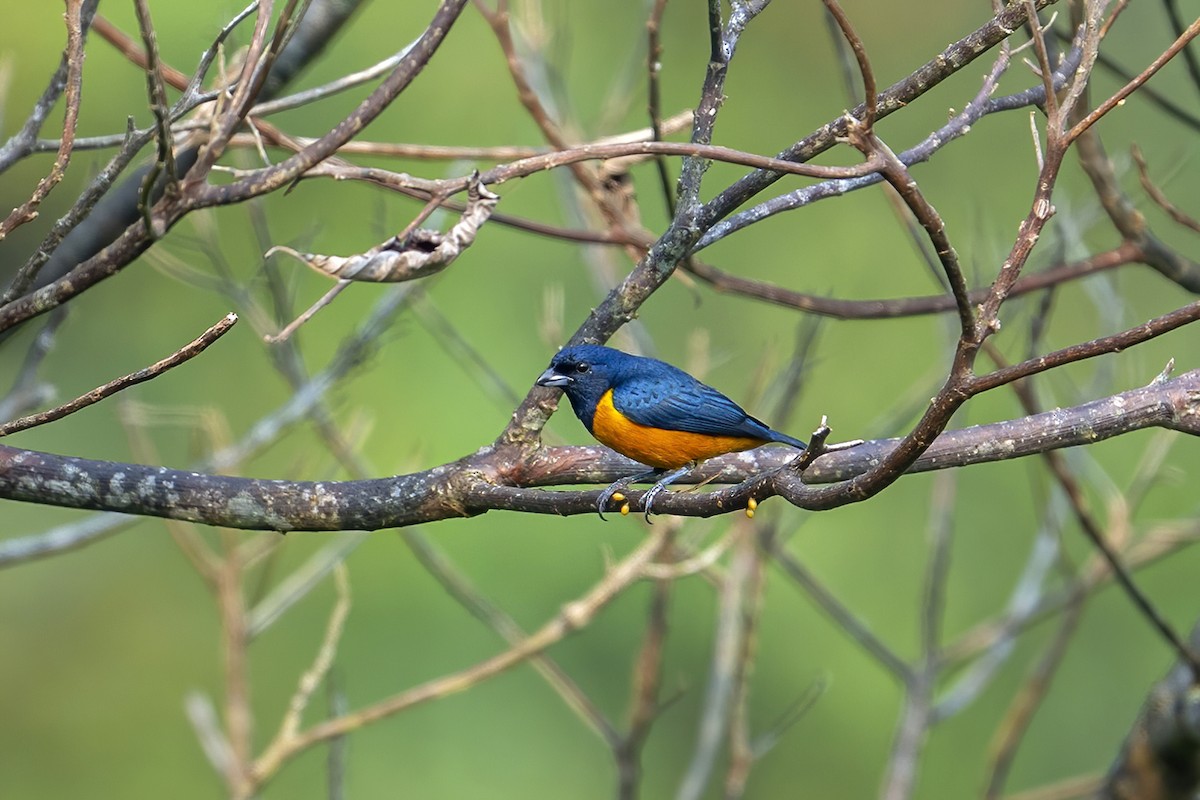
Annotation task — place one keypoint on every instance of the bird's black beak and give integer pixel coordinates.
(552, 378)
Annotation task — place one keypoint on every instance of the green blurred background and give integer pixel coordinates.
(99, 648)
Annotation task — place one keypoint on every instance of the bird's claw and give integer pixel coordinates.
(615, 490)
(648, 499)
(611, 492)
(607, 495)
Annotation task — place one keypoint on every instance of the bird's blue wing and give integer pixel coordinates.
(677, 401)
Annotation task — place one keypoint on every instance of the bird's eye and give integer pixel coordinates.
(582, 367)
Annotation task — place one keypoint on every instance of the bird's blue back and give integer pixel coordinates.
(654, 393)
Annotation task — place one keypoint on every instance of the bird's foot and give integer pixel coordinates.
(648, 500)
(666, 480)
(608, 494)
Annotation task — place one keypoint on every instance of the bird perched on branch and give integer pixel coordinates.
(654, 413)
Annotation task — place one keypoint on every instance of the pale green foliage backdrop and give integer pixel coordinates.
(99, 648)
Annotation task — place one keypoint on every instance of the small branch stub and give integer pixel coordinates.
(417, 255)
(816, 447)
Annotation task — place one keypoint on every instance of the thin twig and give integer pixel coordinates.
(84, 229)
(1029, 699)
(1076, 788)
(1028, 594)
(1189, 58)
(918, 714)
(73, 58)
(1095, 533)
(980, 106)
(126, 46)
(952, 59)
(432, 152)
(26, 392)
(206, 723)
(323, 661)
(1020, 713)
(286, 332)
(570, 156)
(725, 666)
(838, 308)
(1037, 35)
(199, 554)
(742, 752)
(1129, 88)
(870, 99)
(1164, 102)
(164, 163)
(239, 716)
(23, 142)
(469, 597)
(330, 89)
(573, 617)
(64, 538)
(644, 705)
(654, 100)
(188, 351)
(843, 617)
(1157, 194)
(905, 185)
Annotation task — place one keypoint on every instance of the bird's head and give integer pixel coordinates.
(584, 372)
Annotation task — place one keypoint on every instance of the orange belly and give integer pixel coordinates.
(656, 447)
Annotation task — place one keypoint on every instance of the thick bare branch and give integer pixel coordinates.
(490, 479)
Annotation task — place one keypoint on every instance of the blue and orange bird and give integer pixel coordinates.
(654, 413)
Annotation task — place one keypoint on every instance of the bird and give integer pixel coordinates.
(653, 413)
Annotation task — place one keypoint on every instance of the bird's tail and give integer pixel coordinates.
(783, 438)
